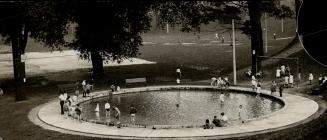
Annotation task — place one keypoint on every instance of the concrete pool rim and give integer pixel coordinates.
(173, 134)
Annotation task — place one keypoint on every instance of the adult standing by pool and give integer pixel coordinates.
(310, 78)
(179, 73)
(281, 91)
(62, 101)
(84, 88)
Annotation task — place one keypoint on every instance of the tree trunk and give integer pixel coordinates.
(297, 8)
(256, 34)
(97, 63)
(19, 67)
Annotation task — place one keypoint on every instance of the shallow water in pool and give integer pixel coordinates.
(194, 107)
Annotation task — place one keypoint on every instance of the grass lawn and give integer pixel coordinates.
(14, 123)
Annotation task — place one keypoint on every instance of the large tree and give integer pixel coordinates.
(109, 30)
(44, 21)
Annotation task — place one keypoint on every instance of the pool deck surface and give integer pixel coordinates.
(296, 109)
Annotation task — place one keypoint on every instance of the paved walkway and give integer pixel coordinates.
(38, 63)
(296, 109)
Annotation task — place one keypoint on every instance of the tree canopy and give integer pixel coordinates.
(111, 28)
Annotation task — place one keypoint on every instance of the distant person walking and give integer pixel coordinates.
(217, 36)
(275, 36)
(223, 39)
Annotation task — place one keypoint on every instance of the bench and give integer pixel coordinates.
(135, 81)
(67, 88)
(318, 89)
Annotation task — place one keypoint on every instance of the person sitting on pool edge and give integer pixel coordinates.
(224, 119)
(216, 121)
(207, 125)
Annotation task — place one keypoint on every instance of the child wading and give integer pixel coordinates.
(132, 113)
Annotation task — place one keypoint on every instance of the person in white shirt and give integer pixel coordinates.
(84, 88)
(310, 78)
(324, 80)
(178, 81)
(254, 84)
(222, 98)
(278, 73)
(1, 91)
(253, 77)
(62, 102)
(226, 82)
(282, 69)
(258, 90)
(291, 80)
(179, 73)
(118, 88)
(286, 80)
(224, 119)
(213, 81)
(107, 108)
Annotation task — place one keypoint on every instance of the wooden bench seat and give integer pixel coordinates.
(135, 81)
(67, 88)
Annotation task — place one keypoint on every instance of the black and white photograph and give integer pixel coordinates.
(163, 69)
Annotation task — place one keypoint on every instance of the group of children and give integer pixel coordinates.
(220, 82)
(284, 76)
(117, 115)
(87, 87)
(69, 106)
(223, 121)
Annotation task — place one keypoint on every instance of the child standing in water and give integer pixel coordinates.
(107, 108)
(132, 113)
(221, 97)
(78, 111)
(240, 110)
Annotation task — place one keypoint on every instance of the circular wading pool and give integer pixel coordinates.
(156, 106)
(182, 107)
